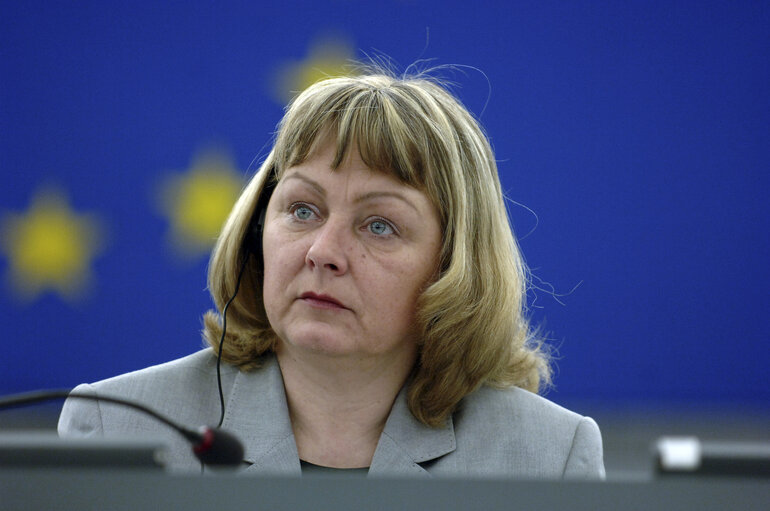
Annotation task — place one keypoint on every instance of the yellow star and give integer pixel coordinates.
(49, 247)
(197, 203)
(326, 58)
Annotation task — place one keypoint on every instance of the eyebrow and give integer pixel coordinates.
(361, 198)
(313, 183)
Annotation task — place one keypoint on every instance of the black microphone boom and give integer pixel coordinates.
(211, 446)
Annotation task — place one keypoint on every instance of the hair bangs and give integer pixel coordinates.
(355, 115)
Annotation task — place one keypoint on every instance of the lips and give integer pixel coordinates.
(321, 301)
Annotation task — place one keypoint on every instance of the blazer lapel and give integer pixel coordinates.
(405, 443)
(258, 414)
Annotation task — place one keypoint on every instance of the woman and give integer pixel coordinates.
(383, 330)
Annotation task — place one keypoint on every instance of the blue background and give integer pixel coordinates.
(637, 133)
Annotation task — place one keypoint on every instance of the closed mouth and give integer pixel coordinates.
(321, 301)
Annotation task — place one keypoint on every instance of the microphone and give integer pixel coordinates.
(214, 447)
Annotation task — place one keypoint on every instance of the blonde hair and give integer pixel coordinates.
(472, 319)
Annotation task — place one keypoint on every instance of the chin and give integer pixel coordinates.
(316, 340)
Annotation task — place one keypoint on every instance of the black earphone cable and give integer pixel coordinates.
(222, 342)
(252, 246)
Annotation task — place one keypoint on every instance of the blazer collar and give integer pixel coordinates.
(406, 442)
(258, 414)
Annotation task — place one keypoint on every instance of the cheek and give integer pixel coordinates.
(276, 296)
(276, 261)
(269, 269)
(269, 295)
(276, 248)
(398, 292)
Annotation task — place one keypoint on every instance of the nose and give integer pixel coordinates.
(328, 250)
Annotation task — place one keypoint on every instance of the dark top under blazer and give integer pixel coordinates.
(502, 433)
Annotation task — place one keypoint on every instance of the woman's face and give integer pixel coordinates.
(347, 253)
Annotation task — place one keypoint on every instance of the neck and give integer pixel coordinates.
(338, 405)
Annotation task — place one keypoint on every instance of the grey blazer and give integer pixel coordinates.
(500, 433)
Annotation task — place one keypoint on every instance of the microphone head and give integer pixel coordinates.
(218, 447)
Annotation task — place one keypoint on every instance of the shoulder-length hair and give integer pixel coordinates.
(472, 319)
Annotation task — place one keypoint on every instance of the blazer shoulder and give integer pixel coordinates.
(517, 405)
(185, 389)
(519, 432)
(189, 371)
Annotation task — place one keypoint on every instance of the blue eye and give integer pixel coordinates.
(303, 212)
(380, 228)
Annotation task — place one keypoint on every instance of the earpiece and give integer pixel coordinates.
(253, 240)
